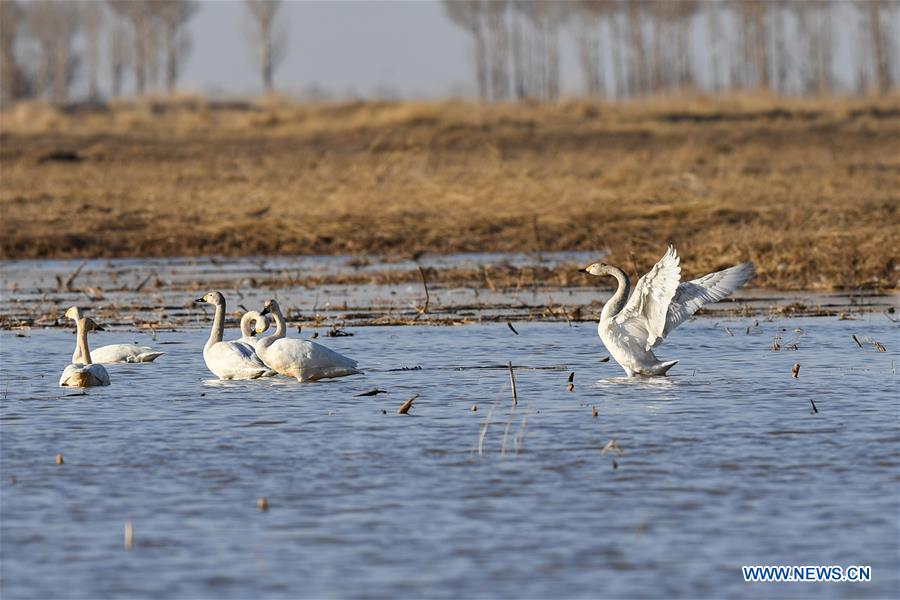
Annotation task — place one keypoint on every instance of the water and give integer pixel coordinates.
(724, 465)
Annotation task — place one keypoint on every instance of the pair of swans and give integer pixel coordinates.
(631, 325)
(86, 369)
(249, 358)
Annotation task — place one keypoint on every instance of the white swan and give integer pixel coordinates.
(631, 326)
(113, 353)
(229, 360)
(88, 374)
(250, 334)
(305, 360)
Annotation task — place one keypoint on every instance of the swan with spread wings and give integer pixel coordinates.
(631, 325)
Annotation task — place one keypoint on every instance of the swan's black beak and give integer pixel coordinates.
(582, 270)
(252, 333)
(199, 300)
(98, 327)
(264, 311)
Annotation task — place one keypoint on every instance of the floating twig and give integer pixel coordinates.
(424, 309)
(855, 339)
(474, 408)
(262, 504)
(129, 535)
(729, 332)
(795, 371)
(336, 332)
(572, 377)
(59, 458)
(71, 278)
(144, 281)
(372, 392)
(814, 410)
(512, 383)
(404, 408)
(604, 359)
(879, 347)
(511, 328)
(612, 446)
(594, 412)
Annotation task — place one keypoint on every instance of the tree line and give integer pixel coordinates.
(629, 48)
(46, 46)
(625, 48)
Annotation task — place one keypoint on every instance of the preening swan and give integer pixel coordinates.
(631, 326)
(87, 374)
(113, 353)
(305, 360)
(250, 333)
(229, 360)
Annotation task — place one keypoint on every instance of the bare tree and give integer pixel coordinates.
(136, 14)
(174, 14)
(92, 25)
(468, 14)
(13, 81)
(268, 37)
(589, 14)
(498, 34)
(877, 40)
(119, 52)
(53, 26)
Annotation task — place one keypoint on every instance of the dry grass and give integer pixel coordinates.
(808, 190)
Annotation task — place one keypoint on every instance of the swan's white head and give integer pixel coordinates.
(215, 298)
(262, 323)
(271, 306)
(74, 313)
(597, 268)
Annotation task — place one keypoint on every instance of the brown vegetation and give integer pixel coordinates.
(807, 190)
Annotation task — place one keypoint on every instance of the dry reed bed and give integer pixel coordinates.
(806, 189)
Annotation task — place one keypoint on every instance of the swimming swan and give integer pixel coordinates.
(305, 360)
(229, 360)
(631, 326)
(113, 353)
(88, 374)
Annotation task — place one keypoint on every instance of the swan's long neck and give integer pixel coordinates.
(264, 343)
(82, 343)
(279, 324)
(218, 327)
(246, 330)
(618, 300)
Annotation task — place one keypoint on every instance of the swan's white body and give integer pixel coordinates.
(302, 359)
(87, 374)
(113, 353)
(630, 326)
(120, 353)
(229, 360)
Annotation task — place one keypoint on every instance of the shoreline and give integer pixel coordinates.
(806, 189)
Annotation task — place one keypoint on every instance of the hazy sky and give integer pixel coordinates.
(344, 46)
(362, 47)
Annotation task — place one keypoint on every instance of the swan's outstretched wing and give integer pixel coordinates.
(645, 313)
(693, 295)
